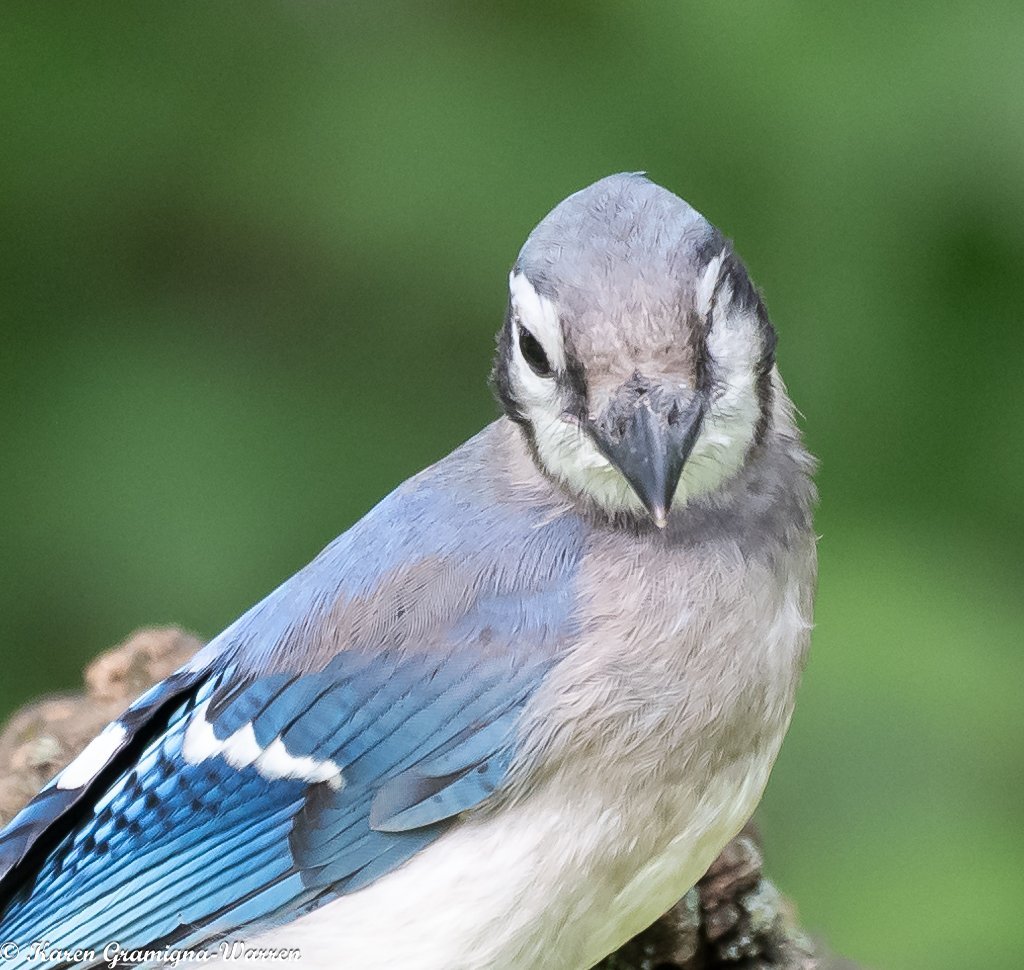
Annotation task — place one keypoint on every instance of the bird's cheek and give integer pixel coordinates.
(591, 459)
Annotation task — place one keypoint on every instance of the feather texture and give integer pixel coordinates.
(503, 721)
(285, 776)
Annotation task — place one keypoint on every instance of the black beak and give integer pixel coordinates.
(648, 431)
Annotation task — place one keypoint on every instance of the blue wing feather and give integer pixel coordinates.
(44, 813)
(418, 713)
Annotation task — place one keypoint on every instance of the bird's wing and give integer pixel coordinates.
(245, 792)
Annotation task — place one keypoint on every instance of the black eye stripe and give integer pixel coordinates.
(533, 353)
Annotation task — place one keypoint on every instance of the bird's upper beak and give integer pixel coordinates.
(647, 431)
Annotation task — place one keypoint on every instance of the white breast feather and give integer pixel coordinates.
(560, 877)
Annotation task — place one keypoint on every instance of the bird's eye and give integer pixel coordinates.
(533, 353)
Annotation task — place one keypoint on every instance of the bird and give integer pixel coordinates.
(513, 713)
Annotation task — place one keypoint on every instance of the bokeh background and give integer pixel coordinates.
(252, 258)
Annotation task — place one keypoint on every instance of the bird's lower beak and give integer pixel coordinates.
(647, 432)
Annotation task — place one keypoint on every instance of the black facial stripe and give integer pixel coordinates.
(573, 379)
(576, 379)
(746, 299)
(769, 338)
(501, 375)
(699, 330)
(501, 381)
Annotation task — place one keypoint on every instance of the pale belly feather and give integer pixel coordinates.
(532, 887)
(584, 860)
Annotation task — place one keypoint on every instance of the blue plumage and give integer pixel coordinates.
(326, 737)
(563, 658)
(28, 831)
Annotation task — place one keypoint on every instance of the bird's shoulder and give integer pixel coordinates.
(338, 727)
(464, 541)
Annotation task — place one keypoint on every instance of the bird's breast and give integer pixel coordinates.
(643, 752)
(684, 662)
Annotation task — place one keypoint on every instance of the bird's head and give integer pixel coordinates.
(636, 354)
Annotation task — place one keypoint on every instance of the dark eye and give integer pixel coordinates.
(534, 354)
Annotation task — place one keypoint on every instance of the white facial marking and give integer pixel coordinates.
(241, 749)
(94, 757)
(727, 431)
(734, 346)
(563, 447)
(707, 283)
(540, 316)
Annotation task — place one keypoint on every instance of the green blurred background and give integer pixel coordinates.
(253, 256)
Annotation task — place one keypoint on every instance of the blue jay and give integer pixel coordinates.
(513, 713)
